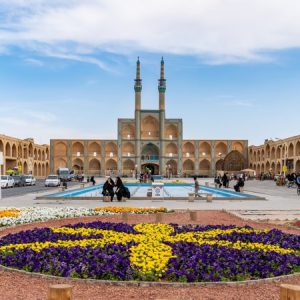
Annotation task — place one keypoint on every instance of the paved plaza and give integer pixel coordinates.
(280, 203)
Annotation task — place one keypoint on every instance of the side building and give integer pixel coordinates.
(27, 156)
(272, 156)
(149, 141)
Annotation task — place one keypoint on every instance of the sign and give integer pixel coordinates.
(157, 190)
(1, 158)
(284, 168)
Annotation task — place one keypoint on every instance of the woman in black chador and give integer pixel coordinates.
(108, 188)
(120, 191)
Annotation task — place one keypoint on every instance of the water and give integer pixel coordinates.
(140, 190)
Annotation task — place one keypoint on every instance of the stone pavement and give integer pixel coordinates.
(281, 203)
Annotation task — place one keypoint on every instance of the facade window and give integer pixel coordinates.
(78, 154)
(95, 154)
(170, 136)
(111, 154)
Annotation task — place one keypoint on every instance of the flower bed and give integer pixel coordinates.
(12, 216)
(118, 251)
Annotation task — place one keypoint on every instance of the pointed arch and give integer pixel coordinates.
(94, 149)
(128, 149)
(188, 167)
(7, 149)
(60, 163)
(204, 149)
(172, 166)
(204, 167)
(94, 167)
(77, 164)
(14, 150)
(238, 146)
(128, 131)
(220, 165)
(35, 169)
(111, 167)
(273, 153)
(297, 149)
(149, 128)
(35, 157)
(60, 149)
(111, 149)
(171, 131)
(188, 149)
(128, 167)
(25, 168)
(291, 150)
(221, 149)
(234, 161)
(171, 150)
(77, 149)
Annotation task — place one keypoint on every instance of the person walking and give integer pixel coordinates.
(197, 186)
(108, 188)
(93, 180)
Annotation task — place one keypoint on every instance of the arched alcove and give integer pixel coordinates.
(94, 149)
(128, 131)
(204, 167)
(171, 132)
(77, 165)
(238, 146)
(234, 161)
(77, 149)
(220, 149)
(188, 149)
(94, 167)
(171, 150)
(188, 167)
(60, 149)
(149, 128)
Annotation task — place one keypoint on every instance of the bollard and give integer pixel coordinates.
(158, 217)
(191, 197)
(125, 217)
(193, 215)
(60, 292)
(81, 185)
(209, 198)
(289, 292)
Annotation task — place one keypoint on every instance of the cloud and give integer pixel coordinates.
(239, 103)
(218, 31)
(34, 62)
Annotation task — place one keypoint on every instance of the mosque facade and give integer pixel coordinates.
(149, 141)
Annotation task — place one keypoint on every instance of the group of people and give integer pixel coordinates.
(111, 188)
(292, 179)
(145, 177)
(225, 180)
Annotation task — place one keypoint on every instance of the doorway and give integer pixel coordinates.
(151, 167)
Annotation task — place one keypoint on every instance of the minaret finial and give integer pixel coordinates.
(138, 81)
(162, 68)
(162, 81)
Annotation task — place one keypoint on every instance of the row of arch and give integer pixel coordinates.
(275, 152)
(234, 161)
(272, 167)
(10, 149)
(94, 149)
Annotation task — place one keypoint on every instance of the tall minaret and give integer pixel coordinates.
(138, 90)
(162, 90)
(138, 86)
(162, 85)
